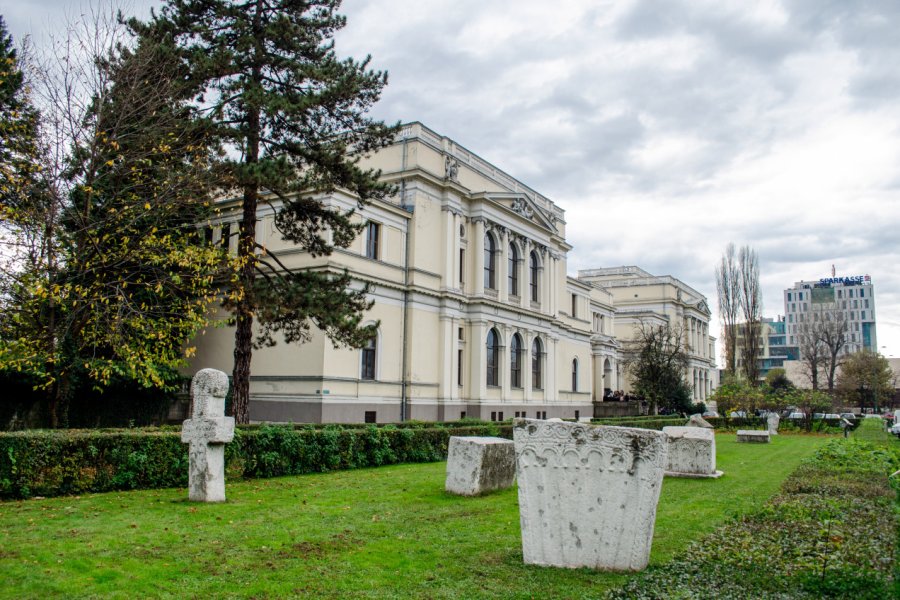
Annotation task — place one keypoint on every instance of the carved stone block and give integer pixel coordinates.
(753, 436)
(588, 494)
(476, 465)
(692, 452)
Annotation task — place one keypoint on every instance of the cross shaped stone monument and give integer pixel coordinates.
(207, 433)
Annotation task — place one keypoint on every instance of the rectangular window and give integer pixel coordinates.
(577, 415)
(500, 416)
(460, 334)
(462, 414)
(851, 293)
(799, 295)
(862, 293)
(368, 360)
(462, 266)
(574, 306)
(544, 415)
(459, 370)
(789, 297)
(372, 235)
(370, 416)
(862, 315)
(867, 303)
(493, 415)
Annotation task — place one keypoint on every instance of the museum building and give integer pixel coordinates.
(477, 317)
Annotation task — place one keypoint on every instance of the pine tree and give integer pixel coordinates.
(291, 118)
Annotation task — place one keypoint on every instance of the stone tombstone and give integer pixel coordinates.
(692, 452)
(588, 494)
(477, 465)
(697, 420)
(772, 421)
(753, 436)
(207, 432)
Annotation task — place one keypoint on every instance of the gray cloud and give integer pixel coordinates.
(665, 129)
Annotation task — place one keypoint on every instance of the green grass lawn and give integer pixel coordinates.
(376, 533)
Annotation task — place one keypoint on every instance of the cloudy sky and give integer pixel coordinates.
(664, 129)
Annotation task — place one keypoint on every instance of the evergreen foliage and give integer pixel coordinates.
(290, 116)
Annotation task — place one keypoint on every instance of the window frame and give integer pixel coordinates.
(373, 242)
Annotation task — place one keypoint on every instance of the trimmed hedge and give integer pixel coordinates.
(52, 463)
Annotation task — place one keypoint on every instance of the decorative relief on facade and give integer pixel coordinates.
(451, 168)
(520, 205)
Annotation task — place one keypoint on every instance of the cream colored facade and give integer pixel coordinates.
(640, 296)
(439, 309)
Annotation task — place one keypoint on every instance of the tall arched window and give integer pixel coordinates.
(513, 270)
(537, 350)
(493, 357)
(535, 274)
(367, 363)
(515, 361)
(490, 267)
(575, 375)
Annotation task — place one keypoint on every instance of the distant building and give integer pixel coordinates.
(853, 297)
(774, 349)
(641, 296)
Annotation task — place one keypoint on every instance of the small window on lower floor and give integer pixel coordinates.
(370, 416)
(493, 416)
(500, 416)
(462, 414)
(577, 415)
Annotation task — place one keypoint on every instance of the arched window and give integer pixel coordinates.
(493, 357)
(367, 363)
(537, 349)
(513, 270)
(515, 361)
(575, 375)
(490, 267)
(535, 275)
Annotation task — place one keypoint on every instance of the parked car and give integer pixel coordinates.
(849, 416)
(826, 416)
(796, 415)
(737, 414)
(895, 429)
(710, 413)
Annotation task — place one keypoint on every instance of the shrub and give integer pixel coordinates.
(50, 463)
(830, 533)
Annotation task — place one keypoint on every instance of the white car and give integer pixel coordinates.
(796, 415)
(895, 430)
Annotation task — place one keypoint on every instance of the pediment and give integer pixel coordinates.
(525, 207)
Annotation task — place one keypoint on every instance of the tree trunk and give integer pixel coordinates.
(243, 336)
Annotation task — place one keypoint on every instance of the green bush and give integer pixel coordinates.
(51, 463)
(832, 532)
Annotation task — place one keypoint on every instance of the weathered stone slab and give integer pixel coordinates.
(588, 494)
(753, 436)
(772, 421)
(207, 433)
(697, 420)
(692, 452)
(476, 465)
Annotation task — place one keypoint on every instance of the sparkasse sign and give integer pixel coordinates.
(853, 280)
